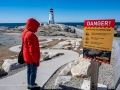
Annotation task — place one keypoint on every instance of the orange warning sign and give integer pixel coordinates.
(98, 37)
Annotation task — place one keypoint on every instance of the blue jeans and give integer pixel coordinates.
(31, 74)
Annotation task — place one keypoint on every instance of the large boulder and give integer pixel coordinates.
(81, 70)
(49, 55)
(11, 64)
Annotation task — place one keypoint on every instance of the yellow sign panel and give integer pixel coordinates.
(98, 37)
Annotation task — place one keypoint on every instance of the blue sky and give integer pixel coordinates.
(64, 10)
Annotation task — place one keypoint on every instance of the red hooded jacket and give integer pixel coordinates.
(31, 50)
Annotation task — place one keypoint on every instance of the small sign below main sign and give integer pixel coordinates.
(98, 37)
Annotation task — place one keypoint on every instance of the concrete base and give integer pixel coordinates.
(86, 86)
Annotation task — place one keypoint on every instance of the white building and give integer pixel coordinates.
(51, 17)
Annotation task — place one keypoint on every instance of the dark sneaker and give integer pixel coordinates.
(36, 88)
(36, 85)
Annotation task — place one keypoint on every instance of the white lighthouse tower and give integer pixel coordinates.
(51, 17)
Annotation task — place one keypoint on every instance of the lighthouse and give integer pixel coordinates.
(51, 16)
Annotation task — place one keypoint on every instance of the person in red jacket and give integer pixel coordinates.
(31, 51)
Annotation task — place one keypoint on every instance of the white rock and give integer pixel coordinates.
(61, 80)
(80, 59)
(12, 56)
(81, 55)
(51, 55)
(73, 46)
(65, 43)
(62, 44)
(42, 46)
(81, 49)
(75, 49)
(10, 64)
(68, 47)
(79, 39)
(83, 69)
(77, 60)
(7, 63)
(60, 39)
(77, 43)
(73, 43)
(67, 69)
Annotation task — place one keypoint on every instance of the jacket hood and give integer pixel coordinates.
(32, 25)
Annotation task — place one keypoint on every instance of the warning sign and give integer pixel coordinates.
(98, 37)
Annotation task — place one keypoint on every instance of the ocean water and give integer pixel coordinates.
(13, 25)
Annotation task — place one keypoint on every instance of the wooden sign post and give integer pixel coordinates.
(94, 75)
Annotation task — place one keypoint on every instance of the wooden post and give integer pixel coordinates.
(94, 75)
